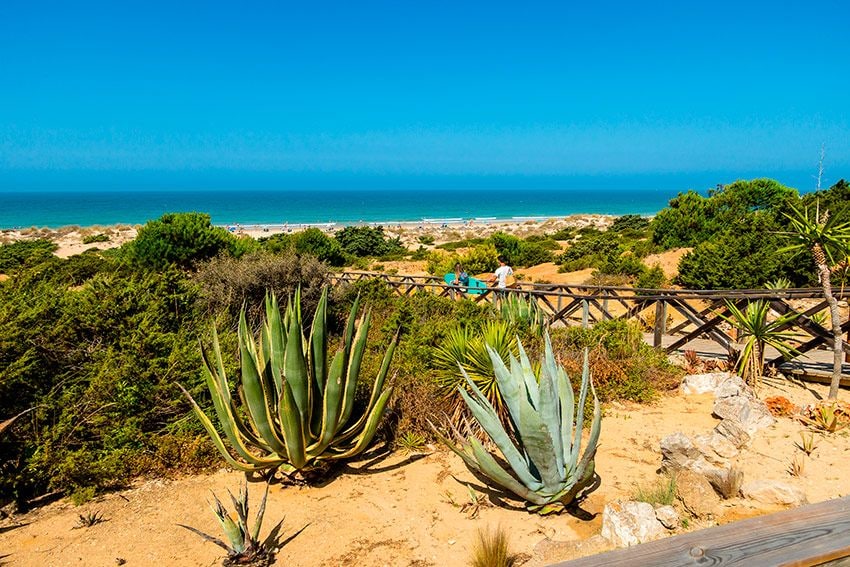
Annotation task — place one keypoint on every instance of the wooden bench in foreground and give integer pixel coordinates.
(816, 534)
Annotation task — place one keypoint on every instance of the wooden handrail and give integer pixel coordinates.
(816, 534)
(701, 311)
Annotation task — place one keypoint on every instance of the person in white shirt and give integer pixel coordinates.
(502, 273)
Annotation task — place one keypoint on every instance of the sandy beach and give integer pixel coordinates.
(70, 239)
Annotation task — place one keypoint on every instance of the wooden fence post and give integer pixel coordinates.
(660, 322)
(585, 313)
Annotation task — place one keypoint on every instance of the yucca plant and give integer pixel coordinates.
(467, 348)
(243, 545)
(828, 241)
(758, 332)
(298, 403)
(544, 467)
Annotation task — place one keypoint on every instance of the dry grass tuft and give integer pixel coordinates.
(492, 550)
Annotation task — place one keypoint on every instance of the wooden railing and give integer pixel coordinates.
(817, 534)
(674, 316)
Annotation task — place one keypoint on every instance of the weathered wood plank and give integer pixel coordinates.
(809, 535)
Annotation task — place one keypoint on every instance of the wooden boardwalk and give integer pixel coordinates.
(817, 534)
(674, 319)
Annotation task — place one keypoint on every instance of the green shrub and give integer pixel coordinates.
(691, 218)
(98, 357)
(836, 200)
(179, 238)
(314, 242)
(625, 265)
(426, 239)
(22, 252)
(563, 234)
(534, 253)
(93, 238)
(742, 256)
(367, 241)
(522, 253)
(591, 250)
(277, 243)
(624, 367)
(629, 222)
(652, 278)
(457, 244)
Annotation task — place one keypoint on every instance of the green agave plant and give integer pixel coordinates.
(468, 348)
(243, 545)
(298, 404)
(545, 466)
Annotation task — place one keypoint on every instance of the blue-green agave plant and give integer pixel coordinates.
(545, 466)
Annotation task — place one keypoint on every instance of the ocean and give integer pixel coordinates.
(254, 207)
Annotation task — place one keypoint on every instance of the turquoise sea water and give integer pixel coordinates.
(54, 209)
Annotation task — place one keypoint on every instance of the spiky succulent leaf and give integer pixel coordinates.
(487, 418)
(350, 377)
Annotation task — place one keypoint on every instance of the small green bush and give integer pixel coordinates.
(630, 222)
(93, 238)
(563, 234)
(652, 278)
(457, 244)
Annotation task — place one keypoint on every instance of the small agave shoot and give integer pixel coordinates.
(544, 465)
(298, 403)
(243, 544)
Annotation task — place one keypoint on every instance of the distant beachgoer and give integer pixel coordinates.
(461, 277)
(502, 273)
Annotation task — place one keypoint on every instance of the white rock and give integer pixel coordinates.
(733, 385)
(734, 432)
(702, 383)
(668, 517)
(630, 523)
(752, 414)
(774, 492)
(716, 448)
(678, 452)
(709, 455)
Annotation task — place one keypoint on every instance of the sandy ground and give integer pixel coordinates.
(668, 260)
(70, 239)
(398, 511)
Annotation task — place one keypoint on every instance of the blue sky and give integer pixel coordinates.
(351, 94)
